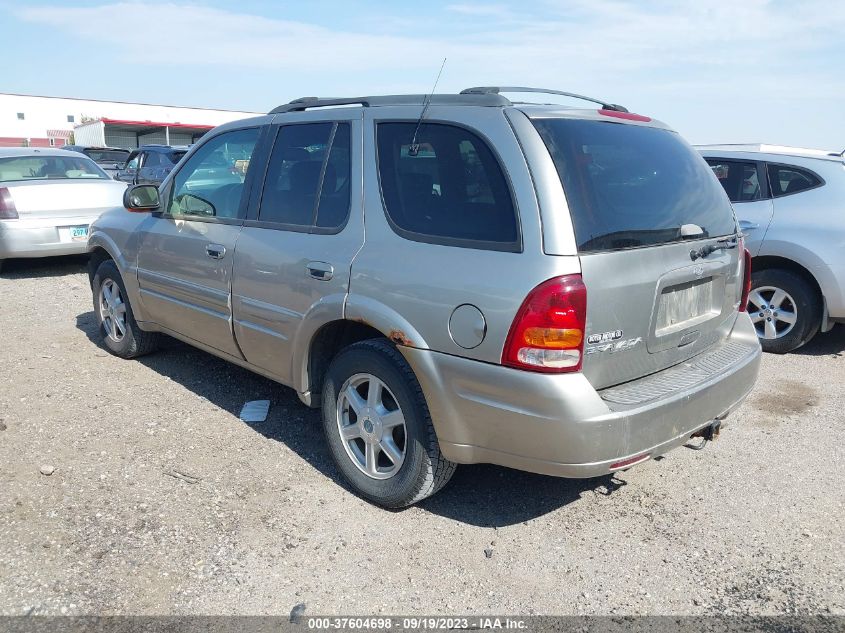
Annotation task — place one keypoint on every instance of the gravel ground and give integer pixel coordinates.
(160, 501)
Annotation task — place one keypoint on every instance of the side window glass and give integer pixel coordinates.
(739, 179)
(787, 180)
(132, 163)
(294, 174)
(450, 187)
(205, 188)
(333, 206)
(151, 159)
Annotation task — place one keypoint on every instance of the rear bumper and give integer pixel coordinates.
(30, 237)
(559, 425)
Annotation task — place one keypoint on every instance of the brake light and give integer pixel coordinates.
(7, 205)
(628, 116)
(746, 279)
(547, 334)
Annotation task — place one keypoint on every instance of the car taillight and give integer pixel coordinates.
(7, 205)
(548, 332)
(746, 277)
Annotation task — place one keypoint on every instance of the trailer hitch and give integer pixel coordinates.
(707, 434)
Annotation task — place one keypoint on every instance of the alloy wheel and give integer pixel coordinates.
(372, 426)
(773, 312)
(112, 310)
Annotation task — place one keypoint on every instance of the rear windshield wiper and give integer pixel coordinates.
(723, 244)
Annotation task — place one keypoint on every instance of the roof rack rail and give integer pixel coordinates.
(486, 90)
(482, 99)
(303, 103)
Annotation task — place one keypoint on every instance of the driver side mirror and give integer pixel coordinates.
(141, 198)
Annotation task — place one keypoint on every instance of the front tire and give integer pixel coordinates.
(785, 309)
(115, 320)
(378, 427)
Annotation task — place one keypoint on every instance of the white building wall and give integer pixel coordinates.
(90, 134)
(53, 113)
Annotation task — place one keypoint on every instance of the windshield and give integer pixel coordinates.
(109, 156)
(630, 186)
(49, 168)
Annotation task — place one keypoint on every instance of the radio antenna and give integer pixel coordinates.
(414, 149)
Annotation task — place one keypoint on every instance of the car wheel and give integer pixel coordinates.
(785, 309)
(115, 321)
(378, 427)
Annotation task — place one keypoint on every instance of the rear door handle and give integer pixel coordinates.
(215, 251)
(320, 270)
(748, 225)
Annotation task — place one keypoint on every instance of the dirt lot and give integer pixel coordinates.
(162, 501)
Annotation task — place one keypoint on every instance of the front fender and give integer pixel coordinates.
(116, 232)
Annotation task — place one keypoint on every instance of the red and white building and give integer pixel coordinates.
(34, 121)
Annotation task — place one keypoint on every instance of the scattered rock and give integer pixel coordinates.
(488, 553)
(47, 469)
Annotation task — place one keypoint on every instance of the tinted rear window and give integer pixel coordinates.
(631, 186)
(106, 155)
(451, 190)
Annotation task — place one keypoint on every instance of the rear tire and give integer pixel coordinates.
(785, 308)
(389, 453)
(115, 320)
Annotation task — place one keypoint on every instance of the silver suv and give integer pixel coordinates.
(452, 279)
(789, 203)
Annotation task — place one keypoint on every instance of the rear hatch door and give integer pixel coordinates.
(657, 241)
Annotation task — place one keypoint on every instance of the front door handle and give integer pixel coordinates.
(320, 270)
(215, 251)
(748, 225)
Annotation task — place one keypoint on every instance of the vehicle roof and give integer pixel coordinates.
(111, 149)
(776, 150)
(164, 148)
(37, 151)
(489, 96)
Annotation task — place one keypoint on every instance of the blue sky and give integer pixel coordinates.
(746, 71)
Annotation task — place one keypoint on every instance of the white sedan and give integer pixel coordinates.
(48, 198)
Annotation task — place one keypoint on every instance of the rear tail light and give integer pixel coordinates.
(547, 334)
(746, 276)
(7, 205)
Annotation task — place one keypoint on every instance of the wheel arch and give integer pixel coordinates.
(324, 345)
(362, 318)
(769, 262)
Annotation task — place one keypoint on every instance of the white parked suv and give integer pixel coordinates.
(790, 204)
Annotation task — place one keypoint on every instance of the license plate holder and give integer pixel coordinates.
(684, 305)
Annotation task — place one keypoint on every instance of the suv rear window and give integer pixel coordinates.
(786, 180)
(450, 191)
(630, 186)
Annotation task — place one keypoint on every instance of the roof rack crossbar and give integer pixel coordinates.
(499, 89)
(482, 99)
